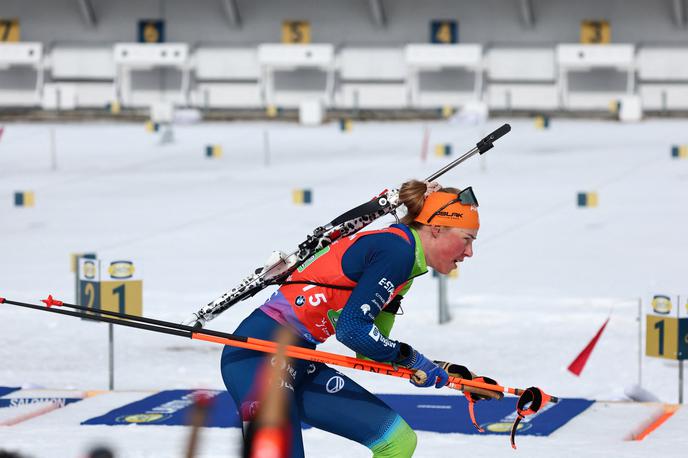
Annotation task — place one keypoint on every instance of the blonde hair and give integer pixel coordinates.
(412, 195)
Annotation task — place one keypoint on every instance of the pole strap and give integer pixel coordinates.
(475, 397)
(529, 403)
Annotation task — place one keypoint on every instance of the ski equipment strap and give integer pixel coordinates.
(473, 398)
(529, 403)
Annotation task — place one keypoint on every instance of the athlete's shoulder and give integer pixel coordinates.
(393, 244)
(384, 252)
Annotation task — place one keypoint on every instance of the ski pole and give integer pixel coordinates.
(319, 356)
(250, 343)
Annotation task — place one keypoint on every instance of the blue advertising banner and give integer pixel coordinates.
(171, 407)
(449, 414)
(442, 414)
(7, 389)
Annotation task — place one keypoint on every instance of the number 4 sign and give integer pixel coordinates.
(444, 31)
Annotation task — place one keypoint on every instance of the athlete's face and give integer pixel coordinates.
(451, 246)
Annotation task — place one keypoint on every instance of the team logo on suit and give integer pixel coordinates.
(334, 384)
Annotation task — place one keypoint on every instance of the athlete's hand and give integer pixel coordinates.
(476, 394)
(427, 373)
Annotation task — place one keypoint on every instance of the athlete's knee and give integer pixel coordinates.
(399, 442)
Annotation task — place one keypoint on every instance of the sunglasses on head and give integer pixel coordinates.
(465, 197)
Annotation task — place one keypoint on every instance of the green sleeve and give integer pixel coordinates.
(405, 289)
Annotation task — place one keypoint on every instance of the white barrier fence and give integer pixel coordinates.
(563, 77)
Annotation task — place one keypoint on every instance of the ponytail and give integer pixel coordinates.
(412, 195)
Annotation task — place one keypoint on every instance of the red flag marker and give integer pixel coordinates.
(576, 367)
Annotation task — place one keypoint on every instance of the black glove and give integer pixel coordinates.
(472, 393)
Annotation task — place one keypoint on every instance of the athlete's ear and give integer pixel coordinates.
(435, 231)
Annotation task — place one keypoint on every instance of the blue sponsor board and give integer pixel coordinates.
(442, 414)
(449, 414)
(7, 389)
(171, 407)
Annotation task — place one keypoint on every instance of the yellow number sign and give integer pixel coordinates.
(444, 31)
(661, 337)
(443, 34)
(595, 32)
(296, 32)
(150, 33)
(9, 30)
(122, 296)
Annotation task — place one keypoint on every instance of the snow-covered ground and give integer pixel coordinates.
(544, 277)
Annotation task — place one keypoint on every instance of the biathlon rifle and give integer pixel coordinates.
(280, 265)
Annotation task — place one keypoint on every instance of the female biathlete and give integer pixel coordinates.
(352, 290)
